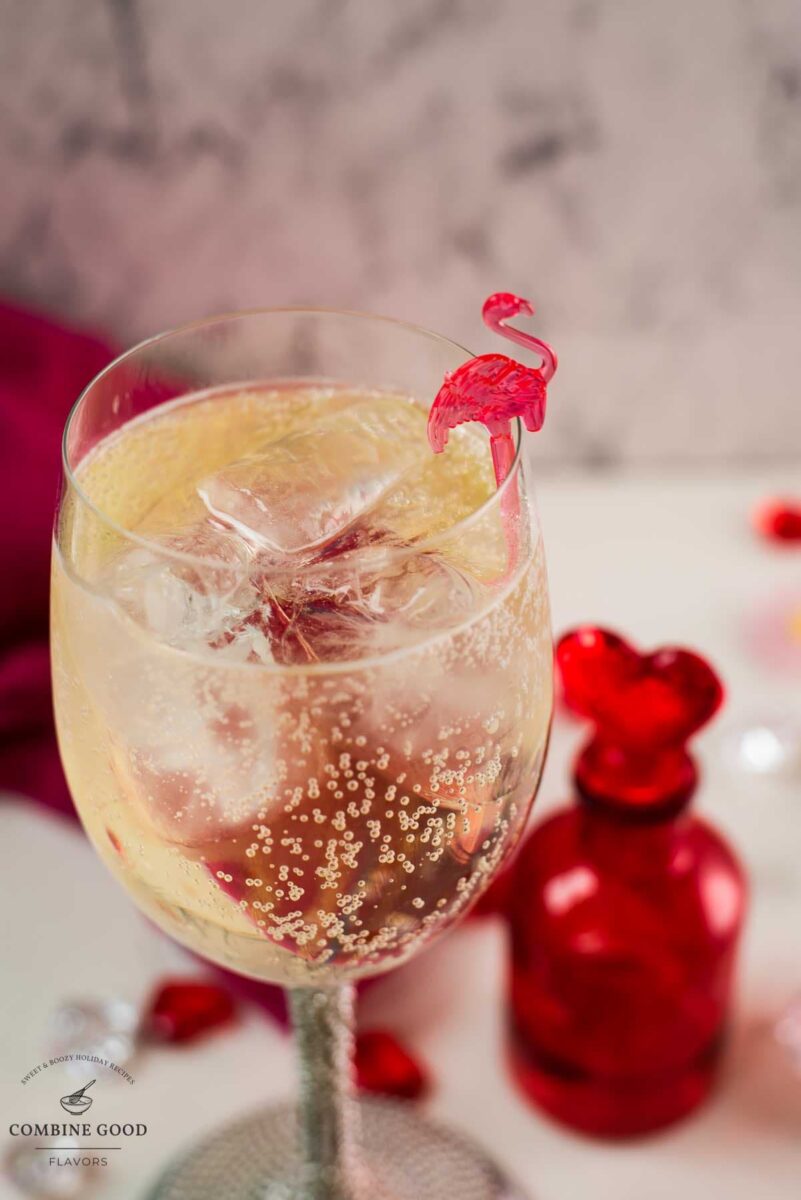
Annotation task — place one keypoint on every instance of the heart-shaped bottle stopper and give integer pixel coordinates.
(640, 700)
(644, 707)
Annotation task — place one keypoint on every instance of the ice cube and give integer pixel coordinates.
(296, 494)
(198, 777)
(193, 749)
(421, 595)
(375, 601)
(187, 590)
(192, 742)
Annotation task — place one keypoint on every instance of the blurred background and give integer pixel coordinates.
(635, 168)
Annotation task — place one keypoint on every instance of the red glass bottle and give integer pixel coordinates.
(625, 909)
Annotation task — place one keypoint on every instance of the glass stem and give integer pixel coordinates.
(323, 1019)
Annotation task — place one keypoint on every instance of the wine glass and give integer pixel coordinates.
(302, 676)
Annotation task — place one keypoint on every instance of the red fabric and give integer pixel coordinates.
(43, 368)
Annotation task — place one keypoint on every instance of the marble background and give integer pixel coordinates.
(633, 165)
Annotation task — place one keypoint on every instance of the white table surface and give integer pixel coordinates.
(668, 559)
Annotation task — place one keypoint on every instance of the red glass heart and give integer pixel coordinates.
(384, 1065)
(636, 700)
(183, 1010)
(779, 520)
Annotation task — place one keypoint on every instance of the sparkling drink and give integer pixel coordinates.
(303, 695)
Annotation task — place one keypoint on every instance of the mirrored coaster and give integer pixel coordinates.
(405, 1157)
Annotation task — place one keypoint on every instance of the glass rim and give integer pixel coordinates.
(189, 327)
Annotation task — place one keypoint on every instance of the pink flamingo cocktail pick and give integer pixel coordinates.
(494, 390)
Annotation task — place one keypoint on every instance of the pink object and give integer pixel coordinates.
(494, 389)
(779, 520)
(772, 630)
(625, 910)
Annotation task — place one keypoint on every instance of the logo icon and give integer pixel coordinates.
(77, 1103)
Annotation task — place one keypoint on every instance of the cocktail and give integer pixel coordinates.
(302, 674)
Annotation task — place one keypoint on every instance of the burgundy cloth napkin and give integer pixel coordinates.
(43, 368)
